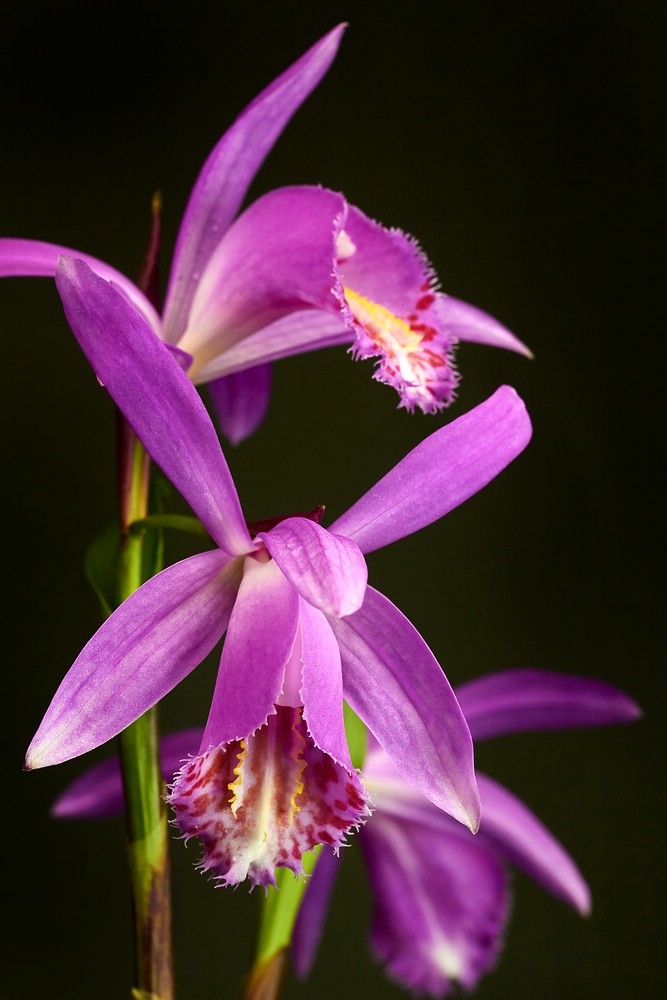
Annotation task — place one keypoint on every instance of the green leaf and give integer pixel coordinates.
(101, 565)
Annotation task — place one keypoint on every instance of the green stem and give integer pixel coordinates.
(146, 819)
(280, 907)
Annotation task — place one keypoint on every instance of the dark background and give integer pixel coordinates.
(523, 145)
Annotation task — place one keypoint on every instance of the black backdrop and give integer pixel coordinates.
(522, 144)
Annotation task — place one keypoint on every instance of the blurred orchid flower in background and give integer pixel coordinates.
(303, 629)
(441, 896)
(298, 270)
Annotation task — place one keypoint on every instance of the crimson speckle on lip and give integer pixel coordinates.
(264, 801)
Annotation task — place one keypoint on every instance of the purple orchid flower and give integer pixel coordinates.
(441, 899)
(303, 631)
(441, 895)
(298, 270)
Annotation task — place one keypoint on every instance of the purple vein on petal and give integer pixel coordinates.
(147, 646)
(396, 686)
(328, 570)
(447, 468)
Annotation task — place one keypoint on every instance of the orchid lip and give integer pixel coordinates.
(261, 803)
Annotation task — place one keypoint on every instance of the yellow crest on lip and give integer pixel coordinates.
(234, 786)
(388, 331)
(411, 354)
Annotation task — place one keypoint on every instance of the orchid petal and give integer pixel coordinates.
(384, 265)
(148, 645)
(328, 570)
(396, 686)
(259, 640)
(389, 267)
(241, 401)
(513, 701)
(299, 332)
(229, 169)
(157, 399)
(309, 924)
(98, 792)
(521, 839)
(441, 904)
(440, 473)
(33, 258)
(393, 796)
(322, 688)
(277, 257)
(471, 324)
(508, 827)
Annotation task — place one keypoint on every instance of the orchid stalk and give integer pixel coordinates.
(281, 905)
(138, 745)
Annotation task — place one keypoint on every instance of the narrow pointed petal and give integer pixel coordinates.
(309, 924)
(328, 570)
(26, 258)
(440, 473)
(440, 904)
(514, 701)
(471, 324)
(225, 177)
(259, 641)
(299, 332)
(241, 401)
(277, 258)
(98, 792)
(322, 684)
(157, 399)
(261, 803)
(396, 686)
(519, 837)
(147, 646)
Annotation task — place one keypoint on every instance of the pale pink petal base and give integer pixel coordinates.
(261, 803)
